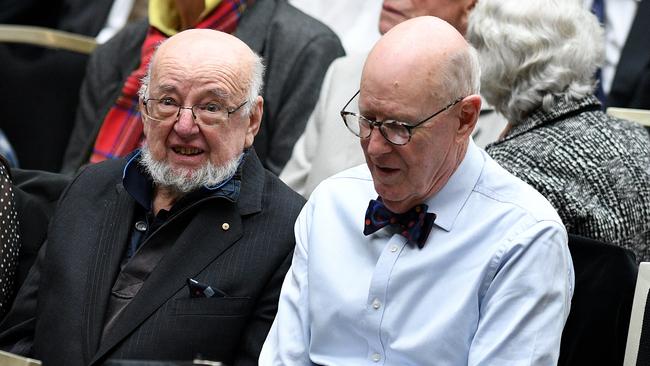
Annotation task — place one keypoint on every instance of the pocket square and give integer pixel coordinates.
(198, 289)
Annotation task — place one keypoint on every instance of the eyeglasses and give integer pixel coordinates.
(168, 110)
(395, 132)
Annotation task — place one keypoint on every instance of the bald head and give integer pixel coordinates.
(206, 48)
(423, 74)
(422, 54)
(206, 43)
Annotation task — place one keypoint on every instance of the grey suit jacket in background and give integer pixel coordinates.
(297, 51)
(58, 315)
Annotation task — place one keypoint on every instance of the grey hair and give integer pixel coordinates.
(535, 51)
(462, 76)
(254, 84)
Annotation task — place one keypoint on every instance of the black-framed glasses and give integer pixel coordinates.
(395, 132)
(168, 110)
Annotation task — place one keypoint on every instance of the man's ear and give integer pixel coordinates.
(141, 109)
(255, 118)
(469, 110)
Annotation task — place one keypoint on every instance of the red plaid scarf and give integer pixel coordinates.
(121, 131)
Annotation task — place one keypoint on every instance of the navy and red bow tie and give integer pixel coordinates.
(414, 225)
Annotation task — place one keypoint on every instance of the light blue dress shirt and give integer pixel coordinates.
(492, 285)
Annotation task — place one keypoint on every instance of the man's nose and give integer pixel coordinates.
(377, 144)
(186, 124)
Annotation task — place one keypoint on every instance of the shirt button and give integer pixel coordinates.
(376, 304)
(393, 248)
(376, 357)
(141, 226)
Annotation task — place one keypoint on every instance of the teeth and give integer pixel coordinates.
(187, 150)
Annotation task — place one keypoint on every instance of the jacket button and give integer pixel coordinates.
(225, 226)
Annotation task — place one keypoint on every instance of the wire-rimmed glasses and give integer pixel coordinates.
(168, 110)
(395, 132)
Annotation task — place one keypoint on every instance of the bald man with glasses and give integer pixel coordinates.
(429, 254)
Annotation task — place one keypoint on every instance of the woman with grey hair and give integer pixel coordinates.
(538, 58)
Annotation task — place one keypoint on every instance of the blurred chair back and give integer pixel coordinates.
(641, 116)
(596, 330)
(637, 351)
(47, 37)
(10, 359)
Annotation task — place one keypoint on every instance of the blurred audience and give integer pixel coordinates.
(9, 240)
(37, 193)
(7, 151)
(121, 13)
(296, 48)
(625, 73)
(40, 86)
(538, 58)
(326, 147)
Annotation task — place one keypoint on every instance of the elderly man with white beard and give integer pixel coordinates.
(178, 250)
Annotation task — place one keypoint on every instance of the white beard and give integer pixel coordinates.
(187, 180)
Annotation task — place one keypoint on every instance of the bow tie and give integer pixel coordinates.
(415, 224)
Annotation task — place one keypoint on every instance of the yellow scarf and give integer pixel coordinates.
(164, 16)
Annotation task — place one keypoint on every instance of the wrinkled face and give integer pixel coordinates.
(455, 12)
(407, 175)
(190, 78)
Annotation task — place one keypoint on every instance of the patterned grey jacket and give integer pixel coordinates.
(593, 168)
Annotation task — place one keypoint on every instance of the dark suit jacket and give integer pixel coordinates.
(86, 242)
(297, 51)
(631, 85)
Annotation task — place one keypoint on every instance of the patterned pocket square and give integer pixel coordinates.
(198, 289)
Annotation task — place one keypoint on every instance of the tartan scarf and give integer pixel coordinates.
(121, 131)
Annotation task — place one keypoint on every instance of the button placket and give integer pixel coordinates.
(376, 300)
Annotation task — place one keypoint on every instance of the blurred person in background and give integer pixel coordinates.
(538, 59)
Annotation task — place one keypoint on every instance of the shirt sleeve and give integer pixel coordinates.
(524, 307)
(288, 340)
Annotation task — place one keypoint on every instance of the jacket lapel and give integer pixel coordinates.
(106, 258)
(202, 241)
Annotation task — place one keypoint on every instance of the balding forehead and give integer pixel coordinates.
(208, 42)
(207, 46)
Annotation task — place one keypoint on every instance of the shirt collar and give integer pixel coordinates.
(139, 184)
(448, 202)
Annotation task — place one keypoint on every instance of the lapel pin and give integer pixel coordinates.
(225, 226)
